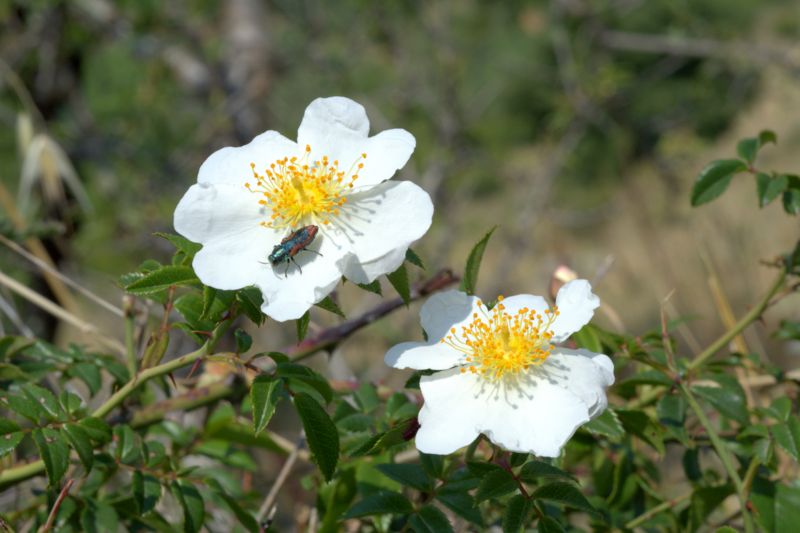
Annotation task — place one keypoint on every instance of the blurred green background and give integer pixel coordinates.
(577, 126)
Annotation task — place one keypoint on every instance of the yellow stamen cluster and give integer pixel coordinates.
(302, 190)
(497, 344)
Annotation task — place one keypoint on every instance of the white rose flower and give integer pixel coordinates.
(249, 199)
(502, 373)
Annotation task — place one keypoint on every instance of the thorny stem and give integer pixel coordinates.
(332, 336)
(723, 453)
(51, 519)
(743, 322)
(16, 474)
(650, 513)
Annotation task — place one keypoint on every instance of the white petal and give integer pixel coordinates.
(422, 356)
(536, 416)
(584, 373)
(387, 152)
(536, 413)
(446, 310)
(232, 164)
(448, 417)
(213, 211)
(576, 304)
(287, 296)
(336, 127)
(359, 272)
(514, 303)
(384, 218)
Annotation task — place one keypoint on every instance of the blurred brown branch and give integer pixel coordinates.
(696, 47)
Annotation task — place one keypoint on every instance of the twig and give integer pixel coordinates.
(283, 475)
(690, 47)
(442, 279)
(745, 321)
(44, 267)
(650, 513)
(724, 455)
(59, 312)
(51, 519)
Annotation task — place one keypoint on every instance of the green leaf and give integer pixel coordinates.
(769, 187)
(410, 475)
(787, 435)
(330, 305)
(547, 524)
(246, 519)
(46, 399)
(374, 287)
(533, 470)
(302, 326)
(366, 397)
(192, 504)
(321, 433)
(563, 493)
(294, 371)
(399, 280)
(671, 410)
(429, 519)
(767, 136)
(791, 200)
(243, 341)
(516, 515)
(181, 244)
(163, 278)
(24, 406)
(89, 373)
(433, 464)
(264, 395)
(414, 259)
(382, 502)
(714, 179)
(250, 300)
(473, 266)
(607, 424)
(748, 148)
(146, 491)
(729, 398)
(495, 484)
(98, 517)
(460, 503)
(129, 445)
(9, 441)
(97, 429)
(81, 443)
(641, 425)
(54, 452)
(703, 502)
(209, 297)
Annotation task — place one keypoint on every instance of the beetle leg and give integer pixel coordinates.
(296, 264)
(312, 251)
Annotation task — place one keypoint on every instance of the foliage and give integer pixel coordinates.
(131, 463)
(88, 437)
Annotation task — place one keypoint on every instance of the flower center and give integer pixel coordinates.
(497, 344)
(303, 190)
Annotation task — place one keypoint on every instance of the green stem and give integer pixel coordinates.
(14, 475)
(650, 513)
(724, 455)
(743, 322)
